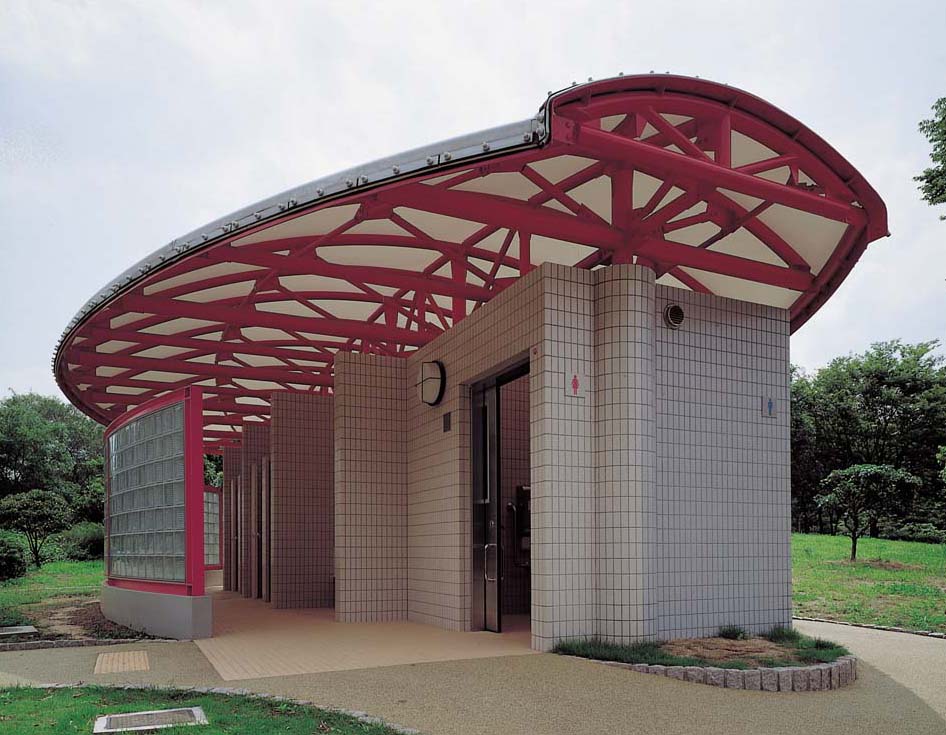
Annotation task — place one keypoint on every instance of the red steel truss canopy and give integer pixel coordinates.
(714, 188)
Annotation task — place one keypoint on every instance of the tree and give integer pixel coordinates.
(49, 444)
(862, 493)
(933, 179)
(37, 514)
(884, 406)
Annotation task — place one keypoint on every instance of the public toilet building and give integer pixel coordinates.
(535, 376)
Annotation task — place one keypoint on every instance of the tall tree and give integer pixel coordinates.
(933, 179)
(885, 406)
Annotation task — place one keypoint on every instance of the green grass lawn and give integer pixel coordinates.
(55, 579)
(62, 711)
(896, 583)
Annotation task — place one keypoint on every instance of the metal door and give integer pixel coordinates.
(487, 548)
(486, 502)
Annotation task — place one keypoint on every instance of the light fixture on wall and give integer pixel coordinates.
(674, 316)
(431, 382)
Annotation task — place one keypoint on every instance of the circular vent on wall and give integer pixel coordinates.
(674, 315)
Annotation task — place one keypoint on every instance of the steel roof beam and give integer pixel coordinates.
(662, 162)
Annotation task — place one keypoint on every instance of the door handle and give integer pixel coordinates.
(486, 563)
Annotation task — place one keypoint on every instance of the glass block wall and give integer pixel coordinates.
(146, 497)
(211, 528)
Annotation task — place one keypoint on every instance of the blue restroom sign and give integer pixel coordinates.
(769, 407)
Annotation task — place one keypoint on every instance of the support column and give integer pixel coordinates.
(371, 394)
(625, 453)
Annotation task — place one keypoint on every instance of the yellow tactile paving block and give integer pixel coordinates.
(121, 661)
(253, 641)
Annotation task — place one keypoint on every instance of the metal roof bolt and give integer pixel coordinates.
(319, 191)
(257, 216)
(485, 146)
(282, 207)
(574, 84)
(540, 130)
(526, 137)
(362, 179)
(447, 157)
(293, 202)
(203, 237)
(396, 170)
(590, 79)
(430, 160)
(349, 183)
(620, 73)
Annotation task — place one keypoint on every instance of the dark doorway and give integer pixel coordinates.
(501, 549)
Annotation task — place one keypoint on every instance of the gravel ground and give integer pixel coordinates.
(901, 689)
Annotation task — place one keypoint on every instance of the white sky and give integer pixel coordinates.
(126, 124)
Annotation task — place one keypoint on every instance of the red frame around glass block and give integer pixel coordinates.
(193, 584)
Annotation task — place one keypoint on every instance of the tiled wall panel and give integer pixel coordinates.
(371, 393)
(625, 453)
(302, 499)
(545, 318)
(723, 491)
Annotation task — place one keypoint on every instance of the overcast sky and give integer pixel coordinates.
(126, 124)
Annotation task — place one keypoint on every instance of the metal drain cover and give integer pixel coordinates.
(154, 720)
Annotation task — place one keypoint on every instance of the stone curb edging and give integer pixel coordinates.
(36, 645)
(816, 678)
(871, 626)
(227, 692)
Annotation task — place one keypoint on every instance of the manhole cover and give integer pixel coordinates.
(154, 720)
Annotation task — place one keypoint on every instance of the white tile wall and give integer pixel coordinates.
(723, 469)
(660, 498)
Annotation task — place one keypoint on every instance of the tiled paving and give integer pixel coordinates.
(121, 661)
(253, 641)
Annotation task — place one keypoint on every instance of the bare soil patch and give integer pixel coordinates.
(75, 618)
(753, 651)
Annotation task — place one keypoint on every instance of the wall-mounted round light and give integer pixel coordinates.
(674, 316)
(431, 382)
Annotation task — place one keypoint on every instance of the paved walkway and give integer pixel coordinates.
(898, 691)
(253, 641)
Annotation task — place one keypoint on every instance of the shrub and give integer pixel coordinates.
(733, 633)
(12, 563)
(37, 514)
(781, 634)
(925, 532)
(84, 542)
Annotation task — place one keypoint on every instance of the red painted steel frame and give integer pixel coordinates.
(193, 584)
(690, 151)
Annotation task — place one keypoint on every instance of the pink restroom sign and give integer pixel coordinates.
(574, 383)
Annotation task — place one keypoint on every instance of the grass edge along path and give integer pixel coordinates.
(64, 710)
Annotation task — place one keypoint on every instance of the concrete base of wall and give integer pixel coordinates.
(166, 616)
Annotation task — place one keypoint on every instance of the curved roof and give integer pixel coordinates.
(716, 189)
